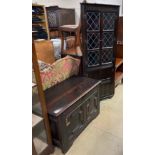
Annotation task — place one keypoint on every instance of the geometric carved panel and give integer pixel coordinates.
(108, 39)
(52, 19)
(93, 21)
(93, 41)
(93, 58)
(109, 21)
(106, 55)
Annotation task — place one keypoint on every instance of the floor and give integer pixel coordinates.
(104, 135)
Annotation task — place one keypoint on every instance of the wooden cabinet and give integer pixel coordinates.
(99, 44)
(71, 105)
(59, 16)
(39, 22)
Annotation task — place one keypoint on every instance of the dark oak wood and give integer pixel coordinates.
(99, 32)
(65, 94)
(71, 105)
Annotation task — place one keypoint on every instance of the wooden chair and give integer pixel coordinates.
(45, 51)
(76, 49)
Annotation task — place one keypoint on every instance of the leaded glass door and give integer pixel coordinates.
(93, 38)
(100, 38)
(108, 37)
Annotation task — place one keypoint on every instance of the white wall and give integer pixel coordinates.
(76, 4)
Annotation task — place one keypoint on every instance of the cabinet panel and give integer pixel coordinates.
(92, 107)
(106, 89)
(106, 73)
(73, 123)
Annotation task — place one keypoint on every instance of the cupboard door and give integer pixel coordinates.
(92, 107)
(93, 38)
(108, 37)
(74, 122)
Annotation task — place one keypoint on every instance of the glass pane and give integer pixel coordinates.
(109, 21)
(108, 39)
(93, 21)
(93, 58)
(93, 41)
(107, 55)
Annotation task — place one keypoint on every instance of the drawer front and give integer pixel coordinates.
(106, 73)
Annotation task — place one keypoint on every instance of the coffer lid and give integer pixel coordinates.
(66, 93)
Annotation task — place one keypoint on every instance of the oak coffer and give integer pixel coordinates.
(72, 105)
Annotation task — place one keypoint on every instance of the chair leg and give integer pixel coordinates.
(62, 41)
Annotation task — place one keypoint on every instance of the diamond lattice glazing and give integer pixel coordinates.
(93, 58)
(109, 21)
(93, 41)
(108, 39)
(93, 21)
(107, 55)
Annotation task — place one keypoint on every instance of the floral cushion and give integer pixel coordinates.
(59, 71)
